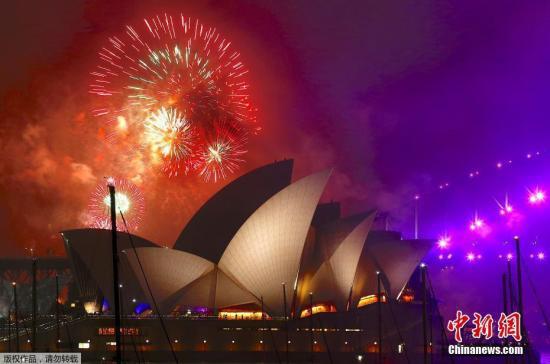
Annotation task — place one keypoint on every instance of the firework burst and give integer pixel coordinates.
(129, 201)
(172, 139)
(174, 66)
(220, 157)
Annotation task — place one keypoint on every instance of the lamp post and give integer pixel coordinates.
(34, 301)
(286, 320)
(510, 286)
(311, 323)
(16, 318)
(416, 198)
(9, 329)
(116, 293)
(379, 307)
(524, 341)
(505, 307)
(424, 312)
(57, 333)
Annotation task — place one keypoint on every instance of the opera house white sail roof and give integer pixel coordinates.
(264, 243)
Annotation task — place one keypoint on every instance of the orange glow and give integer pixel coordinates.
(372, 348)
(240, 315)
(407, 296)
(370, 299)
(318, 308)
(91, 307)
(242, 312)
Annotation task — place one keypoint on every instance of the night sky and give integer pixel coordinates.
(399, 97)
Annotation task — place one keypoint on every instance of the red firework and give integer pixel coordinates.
(129, 201)
(171, 138)
(176, 64)
(220, 156)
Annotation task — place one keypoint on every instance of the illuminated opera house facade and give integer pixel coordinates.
(261, 245)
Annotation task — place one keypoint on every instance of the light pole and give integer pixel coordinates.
(416, 198)
(424, 312)
(379, 307)
(286, 320)
(16, 318)
(116, 286)
(311, 323)
(57, 333)
(34, 302)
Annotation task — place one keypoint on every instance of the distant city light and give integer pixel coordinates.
(540, 256)
(506, 210)
(476, 224)
(499, 165)
(470, 257)
(443, 242)
(537, 196)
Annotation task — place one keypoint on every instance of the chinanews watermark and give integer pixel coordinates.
(482, 327)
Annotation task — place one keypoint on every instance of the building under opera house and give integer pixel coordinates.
(263, 272)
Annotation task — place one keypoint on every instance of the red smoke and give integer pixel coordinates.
(55, 152)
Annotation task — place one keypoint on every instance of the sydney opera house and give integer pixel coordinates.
(263, 272)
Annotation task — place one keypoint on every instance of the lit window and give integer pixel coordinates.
(318, 308)
(370, 299)
(83, 345)
(240, 315)
(407, 295)
(90, 307)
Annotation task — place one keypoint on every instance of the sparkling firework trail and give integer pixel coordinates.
(129, 201)
(175, 65)
(171, 138)
(220, 157)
